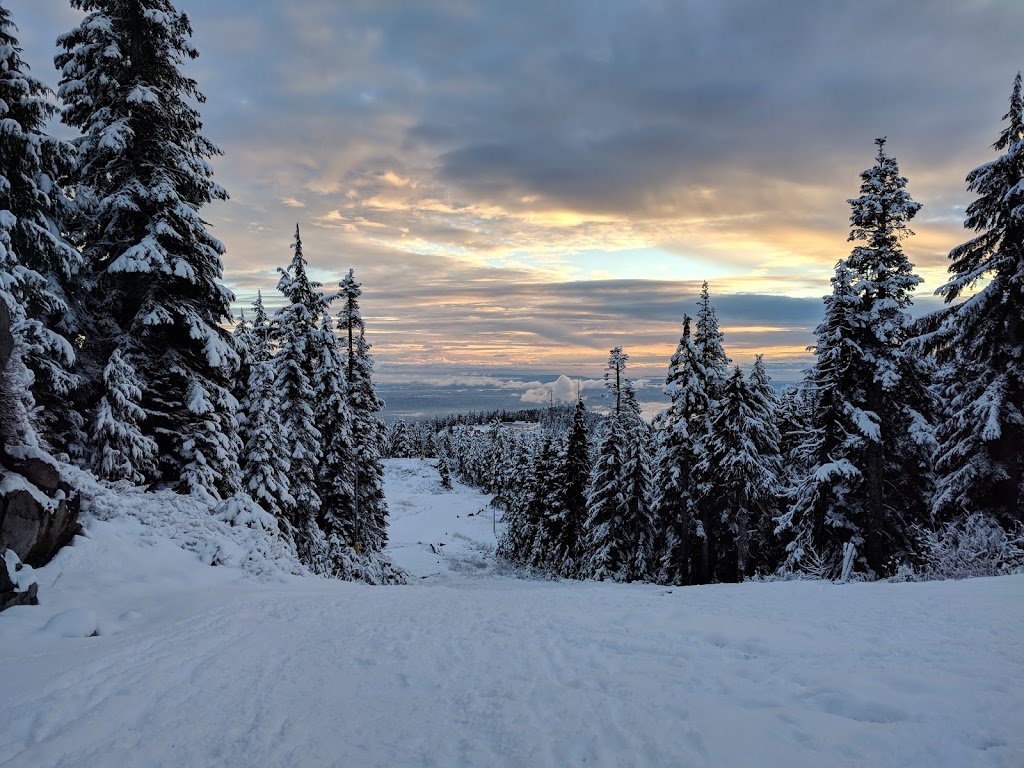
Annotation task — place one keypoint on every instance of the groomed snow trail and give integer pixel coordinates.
(472, 666)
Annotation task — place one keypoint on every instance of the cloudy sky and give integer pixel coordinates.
(526, 184)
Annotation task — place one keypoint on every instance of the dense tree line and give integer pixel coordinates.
(899, 451)
(124, 360)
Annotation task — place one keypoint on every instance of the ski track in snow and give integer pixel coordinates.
(474, 665)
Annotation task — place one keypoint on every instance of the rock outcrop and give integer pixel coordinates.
(38, 510)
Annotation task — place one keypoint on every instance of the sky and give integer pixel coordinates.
(523, 185)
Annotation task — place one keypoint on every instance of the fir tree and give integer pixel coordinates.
(608, 552)
(336, 471)
(368, 431)
(298, 338)
(143, 175)
(566, 541)
(980, 341)
(121, 451)
(713, 371)
(766, 552)
(823, 515)
(37, 266)
(266, 458)
(674, 497)
(743, 463)
(892, 380)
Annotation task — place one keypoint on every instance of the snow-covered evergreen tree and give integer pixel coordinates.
(980, 340)
(766, 552)
(822, 518)
(567, 541)
(297, 336)
(368, 431)
(741, 466)
(608, 550)
(336, 471)
(37, 265)
(121, 451)
(674, 496)
(619, 529)
(266, 458)
(143, 175)
(713, 372)
(892, 379)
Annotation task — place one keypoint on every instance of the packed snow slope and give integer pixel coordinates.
(141, 655)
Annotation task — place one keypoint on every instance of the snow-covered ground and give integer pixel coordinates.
(471, 666)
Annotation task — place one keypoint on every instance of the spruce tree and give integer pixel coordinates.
(266, 461)
(38, 267)
(154, 269)
(980, 341)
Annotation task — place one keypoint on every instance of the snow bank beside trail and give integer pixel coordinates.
(237, 533)
(193, 666)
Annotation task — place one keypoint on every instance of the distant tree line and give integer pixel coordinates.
(901, 451)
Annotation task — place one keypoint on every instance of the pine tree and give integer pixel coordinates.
(122, 451)
(892, 379)
(143, 175)
(980, 460)
(368, 431)
(37, 265)
(297, 337)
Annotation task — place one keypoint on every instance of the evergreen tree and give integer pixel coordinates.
(444, 473)
(266, 455)
(298, 339)
(766, 552)
(743, 463)
(566, 541)
(608, 552)
(708, 341)
(981, 341)
(822, 519)
(143, 175)
(122, 451)
(674, 497)
(713, 371)
(368, 431)
(37, 266)
(336, 471)
(892, 379)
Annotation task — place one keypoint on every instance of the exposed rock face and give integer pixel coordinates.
(38, 510)
(9, 592)
(35, 522)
